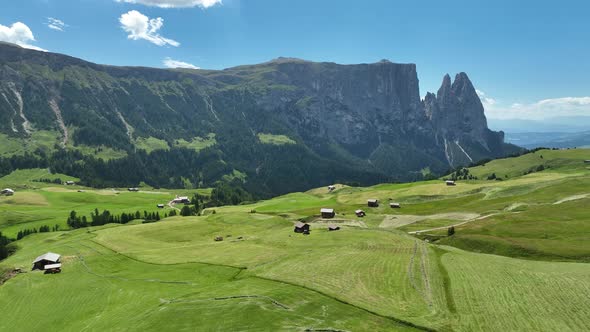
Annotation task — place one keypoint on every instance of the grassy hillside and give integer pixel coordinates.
(376, 273)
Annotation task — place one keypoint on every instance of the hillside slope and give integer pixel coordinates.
(354, 123)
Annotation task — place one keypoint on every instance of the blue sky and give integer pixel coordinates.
(528, 59)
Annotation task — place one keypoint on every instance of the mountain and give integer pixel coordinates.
(279, 126)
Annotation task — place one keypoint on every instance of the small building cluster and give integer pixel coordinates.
(7, 192)
(373, 203)
(181, 200)
(327, 213)
(48, 262)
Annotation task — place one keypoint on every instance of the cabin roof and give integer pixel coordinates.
(299, 224)
(53, 266)
(372, 200)
(359, 211)
(50, 256)
(333, 227)
(326, 210)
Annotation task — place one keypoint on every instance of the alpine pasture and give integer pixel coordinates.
(518, 261)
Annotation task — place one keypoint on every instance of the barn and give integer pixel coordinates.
(160, 206)
(360, 213)
(373, 202)
(7, 192)
(395, 205)
(70, 183)
(327, 213)
(587, 161)
(331, 188)
(181, 199)
(46, 260)
(133, 189)
(450, 183)
(301, 227)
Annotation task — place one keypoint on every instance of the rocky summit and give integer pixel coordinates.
(317, 122)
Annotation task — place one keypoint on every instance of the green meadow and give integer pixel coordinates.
(519, 259)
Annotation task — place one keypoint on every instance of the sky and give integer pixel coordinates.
(527, 59)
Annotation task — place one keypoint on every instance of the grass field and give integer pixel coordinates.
(519, 260)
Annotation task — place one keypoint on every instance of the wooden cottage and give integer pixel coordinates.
(301, 227)
(46, 260)
(7, 192)
(331, 188)
(395, 205)
(587, 161)
(360, 213)
(327, 213)
(333, 228)
(373, 202)
(70, 183)
(181, 200)
(132, 189)
(160, 206)
(450, 183)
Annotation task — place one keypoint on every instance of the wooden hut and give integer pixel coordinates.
(587, 161)
(132, 189)
(331, 188)
(373, 202)
(7, 192)
(70, 183)
(360, 213)
(333, 228)
(301, 227)
(160, 206)
(450, 183)
(48, 259)
(327, 213)
(395, 205)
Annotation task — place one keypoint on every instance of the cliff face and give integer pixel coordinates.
(367, 117)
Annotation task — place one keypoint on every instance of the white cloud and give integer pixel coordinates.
(485, 100)
(542, 109)
(20, 34)
(55, 24)
(175, 3)
(139, 26)
(171, 63)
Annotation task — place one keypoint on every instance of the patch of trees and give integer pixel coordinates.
(98, 218)
(462, 174)
(5, 250)
(535, 169)
(43, 229)
(45, 180)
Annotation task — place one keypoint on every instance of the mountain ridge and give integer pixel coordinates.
(358, 123)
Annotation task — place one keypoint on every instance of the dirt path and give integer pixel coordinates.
(171, 205)
(454, 225)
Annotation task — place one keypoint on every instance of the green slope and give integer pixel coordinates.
(370, 275)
